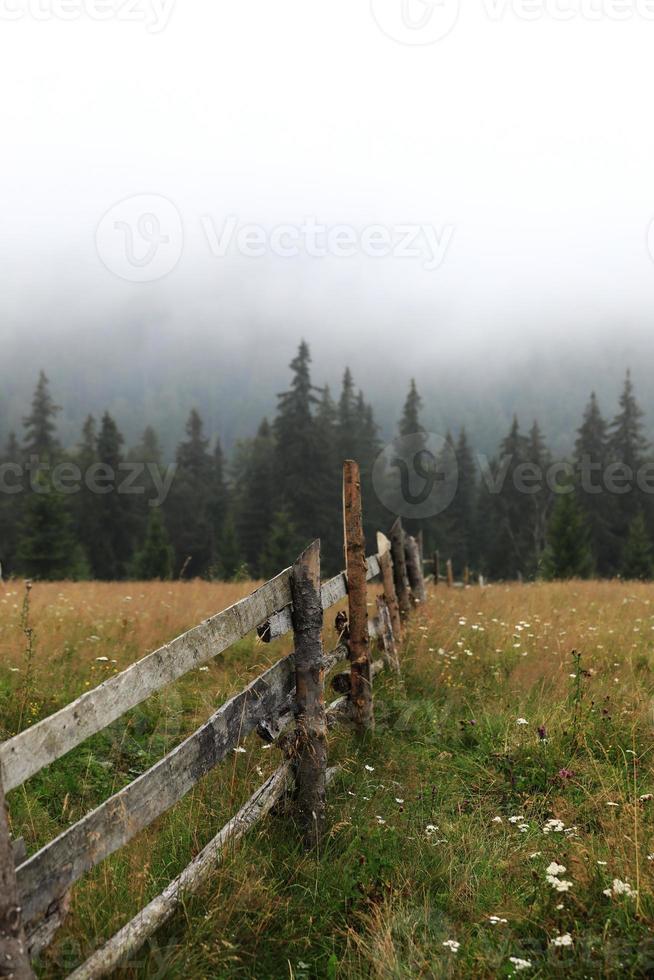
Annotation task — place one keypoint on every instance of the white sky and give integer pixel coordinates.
(533, 140)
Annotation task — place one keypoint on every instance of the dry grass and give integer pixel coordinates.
(386, 892)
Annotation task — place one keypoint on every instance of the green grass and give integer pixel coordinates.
(386, 891)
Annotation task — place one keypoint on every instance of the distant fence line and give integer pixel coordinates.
(34, 893)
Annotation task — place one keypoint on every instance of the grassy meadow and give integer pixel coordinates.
(499, 821)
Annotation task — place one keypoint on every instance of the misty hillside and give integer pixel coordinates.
(233, 377)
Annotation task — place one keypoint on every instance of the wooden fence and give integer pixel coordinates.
(35, 891)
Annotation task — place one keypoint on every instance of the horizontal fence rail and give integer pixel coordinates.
(290, 691)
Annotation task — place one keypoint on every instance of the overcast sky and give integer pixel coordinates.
(519, 153)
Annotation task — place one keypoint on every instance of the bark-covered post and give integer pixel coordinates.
(414, 569)
(466, 575)
(420, 543)
(360, 703)
(386, 566)
(450, 573)
(437, 567)
(311, 732)
(399, 568)
(386, 638)
(14, 957)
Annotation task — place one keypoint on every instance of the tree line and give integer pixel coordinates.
(250, 516)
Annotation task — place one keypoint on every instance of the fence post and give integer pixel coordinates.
(386, 638)
(386, 566)
(437, 567)
(311, 731)
(14, 957)
(466, 575)
(414, 569)
(360, 704)
(399, 568)
(450, 573)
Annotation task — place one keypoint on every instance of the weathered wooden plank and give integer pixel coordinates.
(355, 559)
(14, 956)
(46, 876)
(310, 749)
(36, 747)
(132, 936)
(331, 592)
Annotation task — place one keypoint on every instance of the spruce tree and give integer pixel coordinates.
(11, 504)
(637, 554)
(47, 549)
(155, 558)
(330, 489)
(254, 492)
(189, 516)
(591, 457)
(40, 426)
(461, 513)
(410, 420)
(111, 551)
(627, 445)
(298, 472)
(568, 552)
(541, 497)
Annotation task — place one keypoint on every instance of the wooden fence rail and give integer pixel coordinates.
(36, 893)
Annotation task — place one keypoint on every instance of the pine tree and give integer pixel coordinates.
(298, 470)
(637, 554)
(85, 505)
(509, 540)
(410, 421)
(46, 547)
(541, 497)
(590, 459)
(219, 498)
(330, 492)
(155, 559)
(627, 444)
(40, 424)
(282, 547)
(568, 552)
(347, 421)
(189, 516)
(111, 550)
(254, 468)
(11, 504)
(461, 514)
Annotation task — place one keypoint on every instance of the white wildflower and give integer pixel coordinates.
(521, 721)
(496, 920)
(553, 826)
(535, 854)
(519, 964)
(369, 768)
(102, 660)
(518, 819)
(239, 748)
(452, 945)
(564, 940)
(620, 888)
(555, 869)
(496, 820)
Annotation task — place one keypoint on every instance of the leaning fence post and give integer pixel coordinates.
(450, 573)
(360, 703)
(311, 731)
(14, 956)
(386, 638)
(414, 569)
(437, 567)
(399, 568)
(386, 567)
